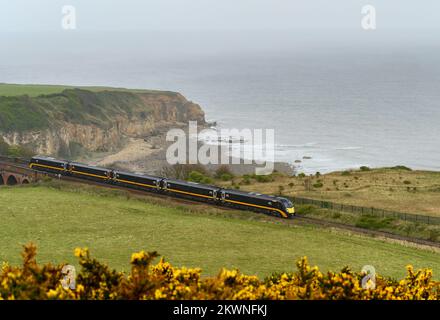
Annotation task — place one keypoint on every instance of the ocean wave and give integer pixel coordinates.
(305, 145)
(348, 148)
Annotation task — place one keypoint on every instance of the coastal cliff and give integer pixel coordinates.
(77, 120)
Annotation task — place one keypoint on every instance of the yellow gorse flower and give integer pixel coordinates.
(164, 281)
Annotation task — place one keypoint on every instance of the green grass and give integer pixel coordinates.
(36, 107)
(112, 225)
(397, 189)
(33, 90)
(389, 224)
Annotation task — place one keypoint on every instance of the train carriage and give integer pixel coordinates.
(89, 172)
(48, 164)
(137, 181)
(190, 190)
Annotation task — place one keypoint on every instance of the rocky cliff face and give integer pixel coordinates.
(103, 128)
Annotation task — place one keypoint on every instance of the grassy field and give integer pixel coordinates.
(79, 106)
(34, 90)
(393, 189)
(60, 217)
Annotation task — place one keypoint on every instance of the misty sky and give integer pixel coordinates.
(113, 15)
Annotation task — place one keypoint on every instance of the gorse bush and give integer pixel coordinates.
(163, 281)
(196, 176)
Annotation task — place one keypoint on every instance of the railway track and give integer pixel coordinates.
(374, 233)
(22, 164)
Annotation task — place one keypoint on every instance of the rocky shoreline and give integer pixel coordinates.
(148, 155)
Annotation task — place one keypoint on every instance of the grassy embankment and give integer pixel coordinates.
(396, 189)
(59, 217)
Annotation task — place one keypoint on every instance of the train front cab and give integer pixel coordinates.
(47, 164)
(288, 207)
(254, 201)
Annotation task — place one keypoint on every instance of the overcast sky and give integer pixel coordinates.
(112, 15)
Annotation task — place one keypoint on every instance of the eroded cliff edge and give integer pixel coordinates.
(76, 120)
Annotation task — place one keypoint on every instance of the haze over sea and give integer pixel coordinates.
(344, 100)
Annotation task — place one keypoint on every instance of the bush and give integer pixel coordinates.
(223, 170)
(372, 222)
(365, 168)
(401, 168)
(226, 177)
(345, 173)
(15, 151)
(182, 171)
(4, 147)
(304, 209)
(406, 182)
(96, 281)
(318, 185)
(199, 177)
(263, 178)
(301, 175)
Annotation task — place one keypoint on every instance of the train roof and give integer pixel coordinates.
(193, 184)
(252, 194)
(138, 175)
(47, 158)
(89, 166)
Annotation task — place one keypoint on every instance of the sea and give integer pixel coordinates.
(336, 100)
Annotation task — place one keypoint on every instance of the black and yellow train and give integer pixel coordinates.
(277, 206)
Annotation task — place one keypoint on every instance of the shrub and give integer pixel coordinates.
(301, 175)
(223, 170)
(226, 177)
(199, 177)
(434, 234)
(365, 168)
(345, 173)
(182, 171)
(401, 168)
(305, 209)
(406, 182)
(19, 151)
(263, 178)
(4, 147)
(318, 184)
(96, 281)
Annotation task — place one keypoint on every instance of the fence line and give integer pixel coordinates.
(368, 211)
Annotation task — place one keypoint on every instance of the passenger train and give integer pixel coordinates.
(277, 206)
